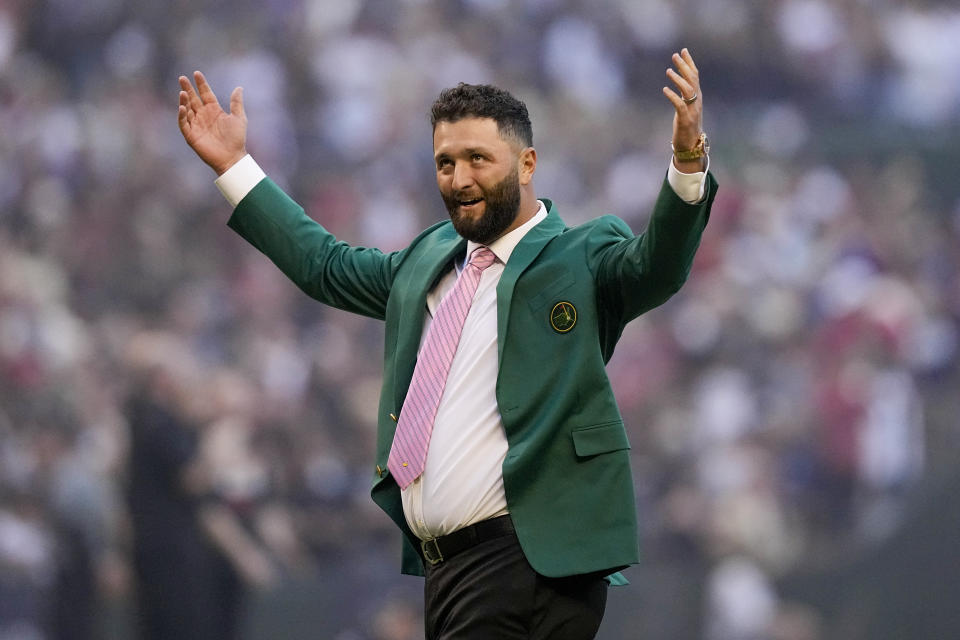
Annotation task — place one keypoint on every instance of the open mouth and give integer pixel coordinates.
(469, 203)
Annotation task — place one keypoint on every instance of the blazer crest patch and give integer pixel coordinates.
(563, 317)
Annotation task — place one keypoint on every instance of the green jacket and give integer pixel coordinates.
(566, 475)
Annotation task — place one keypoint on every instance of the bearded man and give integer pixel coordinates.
(501, 453)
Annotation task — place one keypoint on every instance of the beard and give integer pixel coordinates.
(501, 204)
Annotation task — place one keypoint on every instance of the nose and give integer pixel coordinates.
(462, 176)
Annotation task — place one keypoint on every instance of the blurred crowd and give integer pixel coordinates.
(783, 408)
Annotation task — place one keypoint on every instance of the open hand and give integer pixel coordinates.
(687, 100)
(218, 137)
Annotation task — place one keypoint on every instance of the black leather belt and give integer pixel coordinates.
(436, 550)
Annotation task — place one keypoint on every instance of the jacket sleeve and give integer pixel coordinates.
(354, 279)
(637, 273)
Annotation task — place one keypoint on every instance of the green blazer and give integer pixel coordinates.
(566, 475)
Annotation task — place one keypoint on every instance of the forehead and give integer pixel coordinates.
(467, 133)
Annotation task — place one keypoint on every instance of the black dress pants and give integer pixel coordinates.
(490, 592)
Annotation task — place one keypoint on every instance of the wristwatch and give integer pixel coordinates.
(699, 150)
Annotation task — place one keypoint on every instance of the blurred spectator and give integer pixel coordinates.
(83, 510)
(183, 539)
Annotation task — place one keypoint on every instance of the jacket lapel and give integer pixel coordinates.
(434, 260)
(523, 255)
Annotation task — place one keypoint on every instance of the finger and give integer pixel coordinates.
(686, 89)
(193, 99)
(183, 119)
(675, 99)
(185, 110)
(203, 88)
(236, 103)
(685, 69)
(685, 53)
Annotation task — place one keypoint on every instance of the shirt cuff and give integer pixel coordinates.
(240, 179)
(689, 187)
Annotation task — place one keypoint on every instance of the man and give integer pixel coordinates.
(192, 556)
(501, 453)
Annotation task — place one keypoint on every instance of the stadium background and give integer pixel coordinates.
(793, 410)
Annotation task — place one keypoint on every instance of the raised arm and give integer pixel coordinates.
(354, 279)
(218, 137)
(637, 273)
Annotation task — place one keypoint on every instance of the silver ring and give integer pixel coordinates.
(691, 99)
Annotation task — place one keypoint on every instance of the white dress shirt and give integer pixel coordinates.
(463, 480)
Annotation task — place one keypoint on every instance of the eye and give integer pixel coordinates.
(476, 157)
(443, 163)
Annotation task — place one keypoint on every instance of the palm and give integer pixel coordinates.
(218, 137)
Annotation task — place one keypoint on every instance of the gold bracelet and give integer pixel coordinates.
(700, 149)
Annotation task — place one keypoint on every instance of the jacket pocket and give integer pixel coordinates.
(600, 438)
(552, 290)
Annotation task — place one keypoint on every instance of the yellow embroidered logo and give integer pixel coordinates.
(563, 317)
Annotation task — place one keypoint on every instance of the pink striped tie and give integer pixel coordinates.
(409, 452)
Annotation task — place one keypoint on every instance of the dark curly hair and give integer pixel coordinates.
(484, 101)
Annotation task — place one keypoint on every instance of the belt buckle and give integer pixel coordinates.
(431, 551)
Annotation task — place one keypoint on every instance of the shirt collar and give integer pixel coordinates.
(503, 246)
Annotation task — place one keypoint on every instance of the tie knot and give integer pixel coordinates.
(482, 258)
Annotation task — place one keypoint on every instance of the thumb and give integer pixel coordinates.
(236, 103)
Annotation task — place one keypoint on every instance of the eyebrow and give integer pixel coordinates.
(469, 151)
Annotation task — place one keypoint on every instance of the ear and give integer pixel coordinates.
(527, 165)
